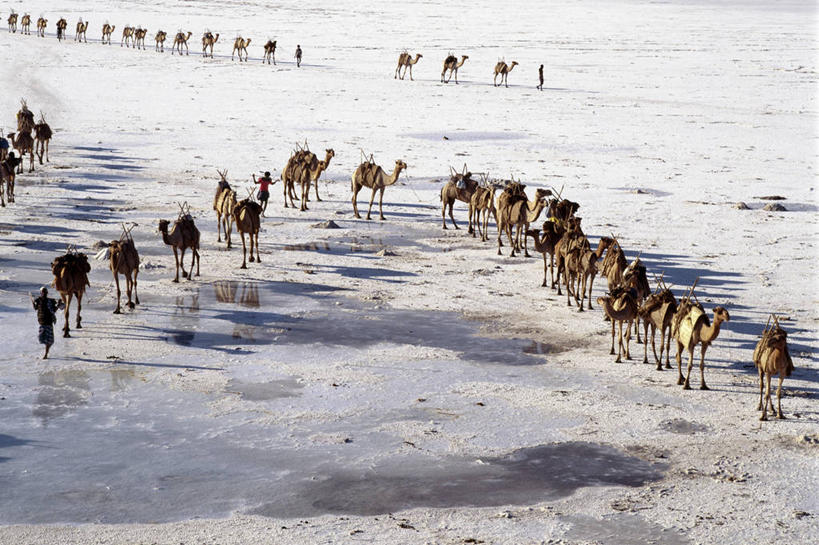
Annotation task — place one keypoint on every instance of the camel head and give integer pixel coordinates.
(514, 64)
(330, 153)
(400, 165)
(542, 194)
(163, 226)
(721, 315)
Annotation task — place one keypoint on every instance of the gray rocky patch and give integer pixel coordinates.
(329, 224)
(774, 207)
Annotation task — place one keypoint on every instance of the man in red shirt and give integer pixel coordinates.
(264, 182)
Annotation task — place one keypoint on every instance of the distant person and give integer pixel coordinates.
(540, 75)
(298, 56)
(264, 182)
(46, 315)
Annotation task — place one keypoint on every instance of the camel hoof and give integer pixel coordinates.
(580, 309)
(659, 368)
(645, 360)
(618, 360)
(686, 386)
(243, 266)
(704, 387)
(318, 200)
(252, 259)
(382, 218)
(79, 326)
(117, 311)
(680, 381)
(175, 281)
(132, 306)
(612, 353)
(780, 416)
(763, 418)
(184, 274)
(667, 366)
(66, 335)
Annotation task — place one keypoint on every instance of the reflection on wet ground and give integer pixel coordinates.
(620, 529)
(265, 391)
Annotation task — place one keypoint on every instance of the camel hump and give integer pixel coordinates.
(451, 59)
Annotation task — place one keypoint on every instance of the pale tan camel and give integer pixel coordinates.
(62, 24)
(247, 216)
(552, 233)
(70, 278)
(373, 176)
(12, 22)
(81, 29)
(208, 41)
(8, 166)
(25, 24)
(160, 37)
(451, 193)
(406, 61)
(42, 23)
(481, 205)
(184, 235)
(269, 51)
(657, 312)
(690, 328)
(502, 69)
(127, 37)
(107, 30)
(24, 144)
(42, 136)
(771, 357)
(124, 260)
(139, 37)
(240, 44)
(316, 173)
(451, 63)
(622, 309)
(518, 213)
(288, 174)
(223, 204)
(180, 40)
(582, 266)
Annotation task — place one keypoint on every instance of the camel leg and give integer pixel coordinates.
(118, 310)
(645, 345)
(767, 397)
(499, 241)
(761, 387)
(31, 160)
(451, 216)
(372, 198)
(67, 301)
(443, 213)
(702, 368)
(568, 289)
(258, 259)
(410, 72)
(667, 348)
(244, 251)
(628, 340)
(228, 228)
(250, 237)
(194, 258)
(284, 191)
(612, 338)
(545, 271)
(136, 296)
(182, 262)
(779, 414)
(356, 189)
(591, 284)
(686, 384)
(46, 151)
(79, 310)
(469, 228)
(318, 199)
(176, 259)
(219, 227)
(680, 379)
(380, 203)
(619, 342)
(659, 360)
(198, 259)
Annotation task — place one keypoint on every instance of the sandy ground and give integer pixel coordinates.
(389, 381)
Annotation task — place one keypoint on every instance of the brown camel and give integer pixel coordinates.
(451, 63)
(288, 175)
(481, 205)
(502, 69)
(25, 118)
(183, 235)
(24, 144)
(634, 277)
(460, 187)
(552, 233)
(127, 36)
(70, 278)
(223, 204)
(8, 167)
(247, 216)
(518, 213)
(81, 28)
(62, 24)
(369, 174)
(315, 173)
(583, 267)
(42, 23)
(12, 22)
(240, 44)
(208, 40)
(107, 30)
(690, 328)
(160, 37)
(620, 307)
(269, 52)
(124, 260)
(406, 61)
(139, 37)
(181, 39)
(657, 312)
(771, 357)
(25, 24)
(42, 136)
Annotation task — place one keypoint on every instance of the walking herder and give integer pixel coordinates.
(46, 308)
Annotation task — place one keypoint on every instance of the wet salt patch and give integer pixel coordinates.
(468, 136)
(620, 530)
(265, 391)
(682, 426)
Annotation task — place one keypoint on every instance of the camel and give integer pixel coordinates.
(657, 312)
(771, 357)
(180, 40)
(42, 136)
(42, 23)
(79, 35)
(452, 64)
(208, 40)
(25, 118)
(481, 205)
(24, 143)
(369, 174)
(289, 172)
(25, 24)
(160, 37)
(107, 30)
(127, 36)
(634, 276)
(183, 235)
(460, 187)
(7, 175)
(269, 52)
(12, 22)
(690, 328)
(619, 307)
(62, 24)
(240, 44)
(70, 278)
(139, 37)
(406, 61)
(124, 259)
(223, 204)
(583, 267)
(502, 69)
(552, 233)
(315, 173)
(247, 216)
(518, 212)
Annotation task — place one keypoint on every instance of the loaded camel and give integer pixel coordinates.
(127, 36)
(62, 24)
(406, 61)
(314, 168)
(657, 312)
(502, 69)
(582, 266)
(690, 328)
(139, 37)
(70, 278)
(25, 118)
(771, 357)
(368, 174)
(269, 52)
(25, 24)
(289, 172)
(42, 136)
(240, 44)
(24, 144)
(12, 20)
(247, 216)
(323, 165)
(517, 212)
(8, 166)
(160, 37)
(481, 205)
(123, 259)
(107, 30)
(223, 204)
(460, 187)
(42, 23)
(552, 233)
(81, 28)
(572, 239)
(620, 307)
(182, 236)
(451, 63)
(180, 40)
(208, 41)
